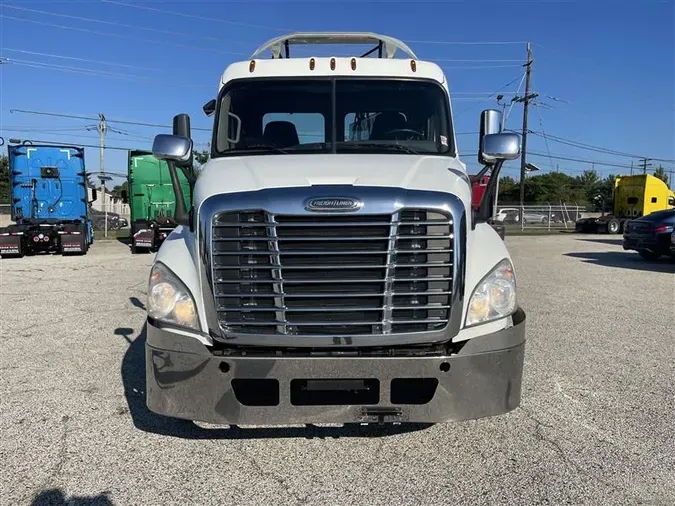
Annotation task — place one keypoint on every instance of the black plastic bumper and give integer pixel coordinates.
(657, 243)
(185, 380)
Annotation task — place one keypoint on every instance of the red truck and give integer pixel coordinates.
(478, 187)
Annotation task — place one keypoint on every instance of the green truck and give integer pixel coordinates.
(151, 199)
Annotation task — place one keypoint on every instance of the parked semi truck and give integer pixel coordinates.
(634, 196)
(333, 279)
(48, 201)
(151, 199)
(479, 184)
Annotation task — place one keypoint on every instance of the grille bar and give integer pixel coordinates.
(321, 309)
(332, 323)
(323, 275)
(338, 224)
(326, 295)
(321, 267)
(332, 252)
(330, 238)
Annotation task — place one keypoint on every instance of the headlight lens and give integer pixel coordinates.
(495, 295)
(169, 300)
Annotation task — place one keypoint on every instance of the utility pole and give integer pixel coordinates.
(631, 167)
(645, 165)
(526, 100)
(102, 129)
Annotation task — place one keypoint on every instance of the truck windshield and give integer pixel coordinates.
(272, 116)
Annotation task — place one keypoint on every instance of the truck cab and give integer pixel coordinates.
(49, 201)
(330, 266)
(634, 196)
(151, 199)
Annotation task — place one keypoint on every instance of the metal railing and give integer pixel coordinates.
(545, 217)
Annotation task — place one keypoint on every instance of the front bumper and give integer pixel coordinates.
(185, 380)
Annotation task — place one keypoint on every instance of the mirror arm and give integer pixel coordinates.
(485, 209)
(181, 215)
(480, 175)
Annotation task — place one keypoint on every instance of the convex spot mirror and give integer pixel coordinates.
(209, 107)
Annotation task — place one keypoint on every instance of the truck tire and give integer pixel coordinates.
(613, 226)
(85, 232)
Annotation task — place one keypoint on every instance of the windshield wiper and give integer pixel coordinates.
(263, 147)
(397, 147)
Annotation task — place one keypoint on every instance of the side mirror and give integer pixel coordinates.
(125, 196)
(94, 195)
(502, 146)
(209, 107)
(671, 201)
(490, 123)
(172, 148)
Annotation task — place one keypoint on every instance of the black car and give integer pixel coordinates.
(98, 218)
(650, 235)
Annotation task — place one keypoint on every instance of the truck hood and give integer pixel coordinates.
(251, 173)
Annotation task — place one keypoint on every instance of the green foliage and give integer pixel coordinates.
(555, 188)
(117, 190)
(4, 180)
(660, 172)
(201, 157)
(551, 188)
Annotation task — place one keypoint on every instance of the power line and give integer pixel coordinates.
(89, 118)
(124, 25)
(461, 43)
(590, 147)
(194, 16)
(581, 160)
(479, 67)
(78, 69)
(490, 96)
(100, 73)
(548, 150)
(124, 36)
(50, 55)
(473, 61)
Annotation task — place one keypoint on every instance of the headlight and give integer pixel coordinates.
(169, 300)
(495, 295)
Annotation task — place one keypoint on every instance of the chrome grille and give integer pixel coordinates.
(332, 274)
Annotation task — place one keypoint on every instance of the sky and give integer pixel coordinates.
(604, 69)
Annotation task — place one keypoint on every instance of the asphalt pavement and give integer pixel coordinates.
(596, 424)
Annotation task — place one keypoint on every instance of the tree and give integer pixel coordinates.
(201, 157)
(660, 172)
(551, 188)
(604, 194)
(117, 190)
(507, 187)
(589, 181)
(4, 180)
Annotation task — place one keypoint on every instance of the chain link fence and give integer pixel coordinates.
(5, 215)
(548, 217)
(117, 216)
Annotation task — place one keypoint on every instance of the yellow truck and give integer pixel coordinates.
(634, 196)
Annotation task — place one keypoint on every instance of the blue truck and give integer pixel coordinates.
(49, 201)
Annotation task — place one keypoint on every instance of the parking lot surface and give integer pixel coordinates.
(596, 424)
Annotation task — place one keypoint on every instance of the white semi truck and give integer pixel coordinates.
(330, 267)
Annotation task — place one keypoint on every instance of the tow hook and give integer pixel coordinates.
(382, 415)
